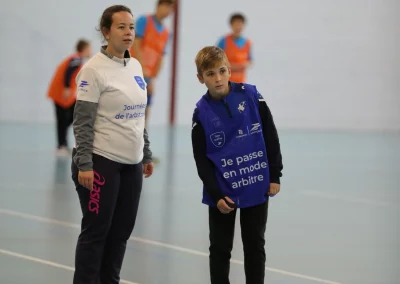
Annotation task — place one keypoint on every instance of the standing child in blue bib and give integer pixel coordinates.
(237, 153)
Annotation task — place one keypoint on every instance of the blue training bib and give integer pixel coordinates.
(235, 145)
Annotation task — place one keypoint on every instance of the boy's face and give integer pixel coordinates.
(87, 51)
(216, 80)
(237, 27)
(164, 10)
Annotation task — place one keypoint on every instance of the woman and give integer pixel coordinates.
(112, 150)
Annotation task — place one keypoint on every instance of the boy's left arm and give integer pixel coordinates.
(272, 143)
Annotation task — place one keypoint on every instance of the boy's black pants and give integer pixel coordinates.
(109, 214)
(253, 222)
(64, 118)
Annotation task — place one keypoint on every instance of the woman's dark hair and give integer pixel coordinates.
(106, 18)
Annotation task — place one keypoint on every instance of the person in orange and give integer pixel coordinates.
(62, 91)
(150, 44)
(237, 48)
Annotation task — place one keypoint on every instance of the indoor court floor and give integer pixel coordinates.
(334, 221)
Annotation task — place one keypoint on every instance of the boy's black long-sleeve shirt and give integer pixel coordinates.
(205, 167)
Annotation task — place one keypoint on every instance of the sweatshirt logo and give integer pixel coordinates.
(140, 82)
(83, 84)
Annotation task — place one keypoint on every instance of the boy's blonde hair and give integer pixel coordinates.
(209, 57)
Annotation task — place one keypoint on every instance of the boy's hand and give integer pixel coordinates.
(274, 188)
(223, 207)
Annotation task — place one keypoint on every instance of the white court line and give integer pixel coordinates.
(46, 262)
(160, 244)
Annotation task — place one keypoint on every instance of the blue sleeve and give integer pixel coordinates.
(73, 64)
(140, 26)
(221, 43)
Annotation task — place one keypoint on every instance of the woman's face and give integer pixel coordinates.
(122, 32)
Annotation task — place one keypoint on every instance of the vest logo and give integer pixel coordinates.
(241, 106)
(140, 82)
(241, 133)
(216, 122)
(255, 128)
(218, 139)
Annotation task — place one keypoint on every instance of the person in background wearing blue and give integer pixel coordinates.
(238, 158)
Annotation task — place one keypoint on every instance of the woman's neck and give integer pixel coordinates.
(115, 53)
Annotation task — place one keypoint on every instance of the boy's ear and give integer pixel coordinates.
(200, 77)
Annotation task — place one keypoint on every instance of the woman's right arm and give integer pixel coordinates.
(88, 94)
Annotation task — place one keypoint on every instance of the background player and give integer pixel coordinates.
(150, 45)
(62, 91)
(237, 48)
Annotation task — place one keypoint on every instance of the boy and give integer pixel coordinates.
(237, 153)
(237, 48)
(150, 44)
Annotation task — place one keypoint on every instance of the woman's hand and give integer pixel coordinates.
(86, 179)
(148, 169)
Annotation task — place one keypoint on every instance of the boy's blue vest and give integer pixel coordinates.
(235, 145)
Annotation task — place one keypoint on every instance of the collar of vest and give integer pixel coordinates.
(124, 60)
